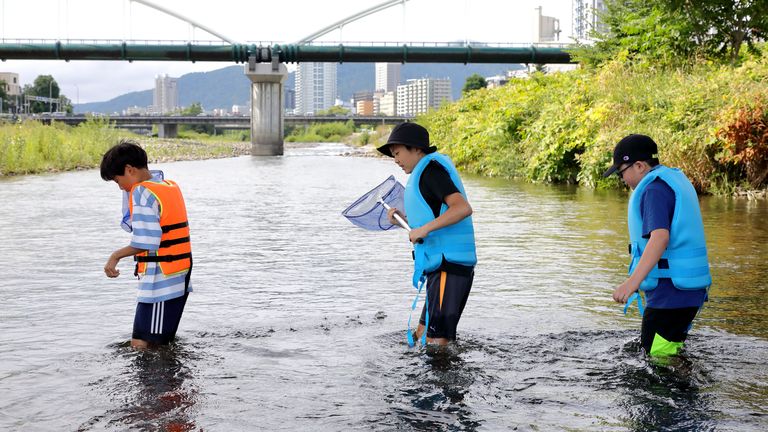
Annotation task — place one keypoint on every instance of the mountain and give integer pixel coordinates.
(220, 88)
(229, 86)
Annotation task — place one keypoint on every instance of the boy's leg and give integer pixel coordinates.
(447, 295)
(157, 323)
(664, 331)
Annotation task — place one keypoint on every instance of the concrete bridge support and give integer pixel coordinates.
(267, 106)
(167, 130)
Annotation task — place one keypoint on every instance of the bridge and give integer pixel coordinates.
(264, 64)
(168, 125)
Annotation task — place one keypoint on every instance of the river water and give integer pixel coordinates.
(298, 318)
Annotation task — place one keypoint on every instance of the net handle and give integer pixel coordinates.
(399, 219)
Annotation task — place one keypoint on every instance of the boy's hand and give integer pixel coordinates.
(110, 268)
(391, 216)
(417, 234)
(623, 291)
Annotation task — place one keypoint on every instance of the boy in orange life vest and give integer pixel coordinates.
(159, 244)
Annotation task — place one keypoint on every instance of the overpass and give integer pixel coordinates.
(168, 125)
(264, 63)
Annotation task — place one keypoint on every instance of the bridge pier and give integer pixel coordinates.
(266, 107)
(167, 130)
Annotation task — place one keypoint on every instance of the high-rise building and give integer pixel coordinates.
(166, 95)
(387, 76)
(290, 100)
(586, 17)
(417, 96)
(315, 87)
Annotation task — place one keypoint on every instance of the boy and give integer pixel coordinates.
(159, 244)
(442, 233)
(669, 255)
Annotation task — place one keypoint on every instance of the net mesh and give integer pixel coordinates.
(368, 213)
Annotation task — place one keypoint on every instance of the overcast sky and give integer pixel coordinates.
(245, 21)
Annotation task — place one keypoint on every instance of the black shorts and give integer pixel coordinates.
(447, 295)
(670, 324)
(157, 322)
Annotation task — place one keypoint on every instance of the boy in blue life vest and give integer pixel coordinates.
(668, 250)
(159, 244)
(437, 210)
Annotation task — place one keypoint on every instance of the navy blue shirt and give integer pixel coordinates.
(657, 208)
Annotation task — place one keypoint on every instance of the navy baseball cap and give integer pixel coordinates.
(632, 148)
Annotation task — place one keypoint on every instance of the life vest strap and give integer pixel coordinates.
(409, 334)
(162, 258)
(172, 242)
(635, 297)
(175, 226)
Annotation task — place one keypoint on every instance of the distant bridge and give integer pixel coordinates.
(168, 125)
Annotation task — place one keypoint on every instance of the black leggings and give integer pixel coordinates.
(671, 324)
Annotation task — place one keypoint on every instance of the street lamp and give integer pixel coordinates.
(50, 96)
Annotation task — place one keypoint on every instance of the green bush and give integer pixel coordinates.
(562, 127)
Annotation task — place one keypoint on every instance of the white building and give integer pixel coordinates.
(417, 96)
(387, 104)
(315, 87)
(166, 95)
(387, 76)
(545, 28)
(12, 85)
(585, 18)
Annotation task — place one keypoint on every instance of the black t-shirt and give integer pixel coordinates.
(435, 184)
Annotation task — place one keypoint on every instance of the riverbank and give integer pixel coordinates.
(561, 128)
(31, 147)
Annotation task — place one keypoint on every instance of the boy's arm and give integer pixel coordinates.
(458, 209)
(656, 246)
(110, 268)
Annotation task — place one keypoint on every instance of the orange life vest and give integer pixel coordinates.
(175, 252)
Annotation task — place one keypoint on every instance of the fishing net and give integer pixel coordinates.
(369, 213)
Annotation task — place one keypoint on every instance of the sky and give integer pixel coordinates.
(285, 21)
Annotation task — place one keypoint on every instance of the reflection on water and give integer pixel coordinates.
(155, 388)
(298, 318)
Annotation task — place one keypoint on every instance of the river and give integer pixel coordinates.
(297, 320)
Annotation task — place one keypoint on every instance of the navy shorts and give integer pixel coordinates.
(447, 295)
(157, 322)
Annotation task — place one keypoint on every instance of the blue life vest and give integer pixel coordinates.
(686, 252)
(455, 242)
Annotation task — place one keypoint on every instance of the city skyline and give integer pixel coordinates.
(81, 81)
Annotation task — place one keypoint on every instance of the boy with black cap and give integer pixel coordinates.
(437, 210)
(668, 250)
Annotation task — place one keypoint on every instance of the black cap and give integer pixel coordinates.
(632, 148)
(408, 134)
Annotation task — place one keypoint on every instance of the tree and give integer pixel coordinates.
(43, 86)
(675, 31)
(193, 110)
(723, 26)
(334, 110)
(639, 30)
(474, 82)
